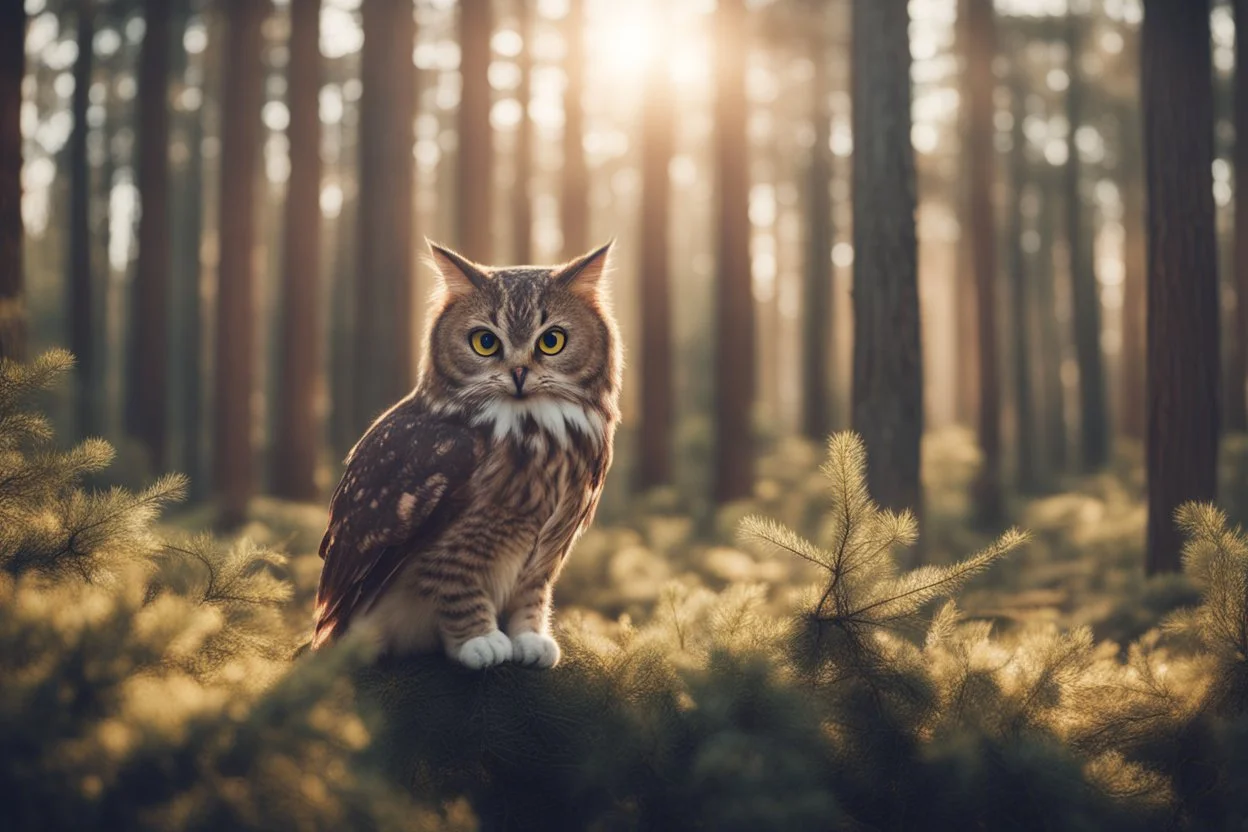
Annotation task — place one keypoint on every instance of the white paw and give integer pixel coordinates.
(485, 651)
(535, 650)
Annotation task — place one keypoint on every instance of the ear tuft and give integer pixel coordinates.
(584, 275)
(457, 274)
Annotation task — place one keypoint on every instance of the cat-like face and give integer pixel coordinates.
(521, 339)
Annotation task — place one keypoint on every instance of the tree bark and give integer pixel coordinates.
(1024, 406)
(1237, 410)
(149, 363)
(574, 197)
(966, 375)
(657, 404)
(236, 301)
(81, 281)
(475, 166)
(13, 321)
(522, 195)
(298, 440)
(1184, 410)
(888, 361)
(817, 355)
(981, 49)
(385, 331)
(1086, 296)
(1049, 331)
(1135, 266)
(734, 335)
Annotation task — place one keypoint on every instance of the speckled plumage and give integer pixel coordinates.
(459, 505)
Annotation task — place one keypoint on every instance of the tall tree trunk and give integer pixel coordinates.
(298, 440)
(81, 281)
(817, 354)
(574, 197)
(734, 307)
(192, 323)
(1135, 267)
(1024, 407)
(1184, 411)
(236, 288)
(149, 363)
(1085, 294)
(657, 404)
(473, 218)
(13, 322)
(522, 193)
(888, 359)
(966, 355)
(1049, 331)
(981, 49)
(1237, 410)
(384, 368)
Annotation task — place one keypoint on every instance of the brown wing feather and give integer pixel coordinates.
(403, 484)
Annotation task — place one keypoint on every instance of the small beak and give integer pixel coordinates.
(519, 374)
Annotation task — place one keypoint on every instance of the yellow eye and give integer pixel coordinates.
(552, 341)
(484, 342)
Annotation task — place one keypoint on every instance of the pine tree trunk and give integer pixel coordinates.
(474, 169)
(1024, 407)
(981, 49)
(817, 354)
(522, 195)
(150, 312)
(1237, 410)
(734, 301)
(236, 300)
(1053, 393)
(1086, 295)
(888, 360)
(966, 375)
(298, 438)
(574, 198)
(1184, 410)
(384, 326)
(13, 321)
(192, 356)
(657, 404)
(1135, 278)
(81, 282)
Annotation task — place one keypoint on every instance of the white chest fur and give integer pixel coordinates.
(555, 418)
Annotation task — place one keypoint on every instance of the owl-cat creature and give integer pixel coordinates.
(459, 505)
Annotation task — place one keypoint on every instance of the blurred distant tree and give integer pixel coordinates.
(1020, 319)
(734, 298)
(384, 325)
(966, 351)
(1184, 410)
(298, 440)
(12, 69)
(474, 225)
(522, 195)
(81, 282)
(1085, 294)
(1048, 327)
(888, 360)
(657, 406)
(817, 355)
(190, 308)
(1237, 411)
(148, 397)
(979, 28)
(242, 87)
(574, 187)
(1135, 254)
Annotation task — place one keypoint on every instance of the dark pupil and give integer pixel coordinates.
(551, 340)
(487, 340)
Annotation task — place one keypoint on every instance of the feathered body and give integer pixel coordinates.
(459, 505)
